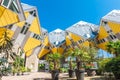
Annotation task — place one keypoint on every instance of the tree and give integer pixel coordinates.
(5, 50)
(5, 44)
(114, 48)
(113, 65)
(92, 52)
(81, 56)
(55, 58)
(70, 54)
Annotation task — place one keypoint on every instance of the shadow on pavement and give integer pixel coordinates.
(102, 78)
(42, 79)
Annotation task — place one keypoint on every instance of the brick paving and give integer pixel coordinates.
(44, 76)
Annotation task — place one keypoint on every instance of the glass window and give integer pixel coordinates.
(13, 7)
(26, 30)
(111, 37)
(34, 35)
(5, 2)
(22, 29)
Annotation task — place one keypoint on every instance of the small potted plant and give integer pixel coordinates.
(81, 57)
(90, 69)
(23, 70)
(55, 59)
(70, 56)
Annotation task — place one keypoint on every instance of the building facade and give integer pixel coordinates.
(22, 23)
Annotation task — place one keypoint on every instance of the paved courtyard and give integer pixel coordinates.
(44, 76)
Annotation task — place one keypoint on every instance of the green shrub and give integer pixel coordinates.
(113, 65)
(63, 70)
(41, 66)
(23, 69)
(51, 66)
(5, 68)
(102, 63)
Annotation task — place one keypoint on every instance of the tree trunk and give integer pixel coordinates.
(0, 77)
(117, 54)
(79, 64)
(55, 65)
(70, 64)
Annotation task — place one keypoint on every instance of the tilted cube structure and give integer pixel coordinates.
(57, 41)
(109, 29)
(78, 34)
(22, 23)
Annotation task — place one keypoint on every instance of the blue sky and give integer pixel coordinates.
(61, 14)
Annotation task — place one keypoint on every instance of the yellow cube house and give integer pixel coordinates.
(57, 41)
(109, 29)
(80, 33)
(45, 46)
(10, 12)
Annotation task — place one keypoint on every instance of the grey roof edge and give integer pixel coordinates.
(52, 32)
(103, 18)
(109, 20)
(75, 34)
(96, 28)
(84, 22)
(56, 29)
(30, 7)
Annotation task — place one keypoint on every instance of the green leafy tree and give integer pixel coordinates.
(81, 56)
(70, 54)
(101, 64)
(114, 48)
(92, 52)
(114, 66)
(55, 59)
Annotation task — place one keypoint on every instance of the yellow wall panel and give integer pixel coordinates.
(54, 50)
(86, 43)
(20, 24)
(68, 42)
(3, 20)
(35, 26)
(8, 17)
(114, 26)
(102, 33)
(26, 14)
(28, 53)
(75, 37)
(2, 9)
(12, 16)
(60, 50)
(43, 52)
(46, 41)
(102, 45)
(31, 44)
